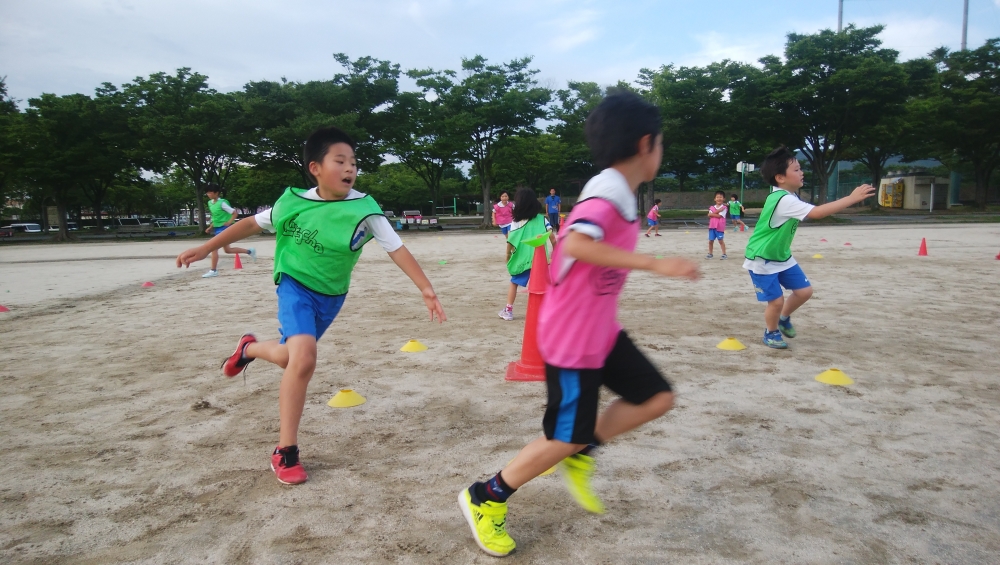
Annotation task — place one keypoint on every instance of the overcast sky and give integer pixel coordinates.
(69, 46)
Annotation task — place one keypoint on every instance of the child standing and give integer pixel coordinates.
(735, 212)
(320, 233)
(653, 218)
(553, 206)
(528, 223)
(717, 224)
(223, 216)
(580, 339)
(503, 215)
(769, 250)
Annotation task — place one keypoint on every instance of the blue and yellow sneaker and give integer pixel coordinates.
(577, 471)
(773, 340)
(488, 522)
(785, 326)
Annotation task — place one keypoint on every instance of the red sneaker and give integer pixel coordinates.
(236, 362)
(286, 465)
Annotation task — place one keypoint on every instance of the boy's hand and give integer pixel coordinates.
(191, 256)
(675, 267)
(862, 192)
(208, 229)
(433, 305)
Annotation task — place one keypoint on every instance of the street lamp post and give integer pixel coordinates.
(743, 168)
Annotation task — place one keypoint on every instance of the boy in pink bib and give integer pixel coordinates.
(583, 344)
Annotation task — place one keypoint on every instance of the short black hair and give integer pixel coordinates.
(722, 192)
(734, 196)
(657, 201)
(776, 163)
(212, 187)
(526, 204)
(613, 129)
(319, 143)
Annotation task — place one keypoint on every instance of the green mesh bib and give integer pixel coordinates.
(219, 216)
(772, 244)
(319, 241)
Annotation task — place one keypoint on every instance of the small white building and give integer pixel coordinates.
(913, 191)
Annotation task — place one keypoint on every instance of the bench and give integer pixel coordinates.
(416, 219)
(133, 230)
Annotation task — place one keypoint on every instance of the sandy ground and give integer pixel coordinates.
(123, 444)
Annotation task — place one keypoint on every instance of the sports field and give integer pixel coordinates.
(124, 444)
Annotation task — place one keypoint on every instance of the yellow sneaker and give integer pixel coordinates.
(487, 521)
(576, 471)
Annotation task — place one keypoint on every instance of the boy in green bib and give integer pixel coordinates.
(528, 223)
(769, 250)
(223, 216)
(319, 235)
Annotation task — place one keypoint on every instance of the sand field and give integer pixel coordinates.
(124, 444)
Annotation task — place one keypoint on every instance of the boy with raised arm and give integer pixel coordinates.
(320, 233)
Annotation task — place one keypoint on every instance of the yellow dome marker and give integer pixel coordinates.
(817, 256)
(731, 344)
(834, 377)
(346, 398)
(413, 346)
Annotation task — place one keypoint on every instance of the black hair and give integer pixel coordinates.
(657, 201)
(776, 163)
(319, 143)
(212, 187)
(613, 129)
(502, 192)
(526, 204)
(722, 192)
(733, 195)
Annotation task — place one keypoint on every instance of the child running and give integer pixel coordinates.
(320, 233)
(717, 224)
(735, 212)
(653, 218)
(223, 216)
(528, 222)
(503, 215)
(769, 250)
(580, 339)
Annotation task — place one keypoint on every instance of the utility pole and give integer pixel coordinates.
(840, 16)
(965, 24)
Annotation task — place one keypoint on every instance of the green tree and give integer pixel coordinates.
(828, 88)
(963, 112)
(11, 152)
(536, 161)
(573, 105)
(395, 186)
(185, 124)
(492, 103)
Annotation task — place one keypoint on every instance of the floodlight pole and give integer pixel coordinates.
(965, 24)
(840, 15)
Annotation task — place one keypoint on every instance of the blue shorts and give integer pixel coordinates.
(218, 230)
(505, 229)
(714, 234)
(304, 312)
(735, 217)
(522, 279)
(768, 287)
(652, 222)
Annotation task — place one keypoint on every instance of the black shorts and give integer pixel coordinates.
(571, 414)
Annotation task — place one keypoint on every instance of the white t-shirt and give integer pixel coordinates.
(379, 226)
(787, 209)
(228, 209)
(613, 187)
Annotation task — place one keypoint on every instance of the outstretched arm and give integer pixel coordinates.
(584, 248)
(408, 264)
(240, 230)
(830, 208)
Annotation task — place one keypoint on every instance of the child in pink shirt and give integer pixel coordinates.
(717, 224)
(653, 218)
(581, 341)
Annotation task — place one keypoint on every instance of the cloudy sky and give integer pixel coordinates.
(67, 46)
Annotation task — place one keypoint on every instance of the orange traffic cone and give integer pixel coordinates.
(531, 367)
(5, 309)
(998, 256)
(239, 264)
(923, 248)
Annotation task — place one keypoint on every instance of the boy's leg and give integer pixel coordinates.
(645, 394)
(272, 351)
(235, 250)
(294, 381)
(797, 298)
(773, 312)
(215, 260)
(511, 294)
(621, 416)
(722, 245)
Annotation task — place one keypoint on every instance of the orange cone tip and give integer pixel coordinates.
(238, 264)
(147, 284)
(5, 309)
(922, 252)
(834, 377)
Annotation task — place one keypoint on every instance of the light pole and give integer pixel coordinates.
(965, 24)
(840, 15)
(743, 168)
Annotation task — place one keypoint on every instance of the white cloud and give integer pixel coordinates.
(715, 47)
(575, 30)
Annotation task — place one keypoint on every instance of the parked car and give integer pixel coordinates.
(26, 228)
(70, 226)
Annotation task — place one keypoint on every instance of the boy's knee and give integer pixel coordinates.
(661, 403)
(804, 293)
